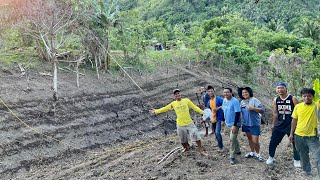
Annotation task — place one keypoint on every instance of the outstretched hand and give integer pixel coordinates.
(152, 111)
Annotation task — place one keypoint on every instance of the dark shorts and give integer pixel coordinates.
(253, 130)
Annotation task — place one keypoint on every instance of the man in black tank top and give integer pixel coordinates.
(284, 110)
(283, 107)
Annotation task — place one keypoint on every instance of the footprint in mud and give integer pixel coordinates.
(202, 164)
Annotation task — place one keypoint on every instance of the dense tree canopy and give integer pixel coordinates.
(252, 34)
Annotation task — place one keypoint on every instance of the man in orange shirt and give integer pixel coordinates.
(215, 104)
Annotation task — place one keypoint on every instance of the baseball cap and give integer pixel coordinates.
(176, 90)
(281, 84)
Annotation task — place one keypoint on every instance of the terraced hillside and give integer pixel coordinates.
(103, 130)
(86, 119)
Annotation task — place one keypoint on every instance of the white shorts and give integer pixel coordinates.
(189, 130)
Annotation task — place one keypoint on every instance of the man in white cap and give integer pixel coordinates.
(185, 125)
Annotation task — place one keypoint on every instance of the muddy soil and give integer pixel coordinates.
(103, 130)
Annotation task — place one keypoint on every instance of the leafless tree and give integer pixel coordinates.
(48, 21)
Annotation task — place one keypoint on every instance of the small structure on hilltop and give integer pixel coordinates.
(158, 47)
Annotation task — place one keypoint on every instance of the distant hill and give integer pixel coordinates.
(260, 11)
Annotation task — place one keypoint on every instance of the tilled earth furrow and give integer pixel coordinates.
(83, 123)
(28, 148)
(79, 107)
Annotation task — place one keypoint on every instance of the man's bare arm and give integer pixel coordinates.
(295, 100)
(275, 113)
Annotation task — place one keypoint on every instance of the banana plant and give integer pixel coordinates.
(103, 15)
(316, 88)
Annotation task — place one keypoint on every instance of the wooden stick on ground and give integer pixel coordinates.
(70, 70)
(170, 153)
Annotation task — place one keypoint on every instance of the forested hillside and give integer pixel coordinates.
(249, 33)
(272, 38)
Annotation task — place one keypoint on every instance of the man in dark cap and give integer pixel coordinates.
(283, 106)
(185, 125)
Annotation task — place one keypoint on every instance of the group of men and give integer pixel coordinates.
(299, 121)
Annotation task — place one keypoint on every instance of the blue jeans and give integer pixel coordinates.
(303, 145)
(218, 134)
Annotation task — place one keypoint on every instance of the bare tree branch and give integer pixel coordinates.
(49, 51)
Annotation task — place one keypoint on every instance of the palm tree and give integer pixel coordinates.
(275, 25)
(104, 17)
(309, 29)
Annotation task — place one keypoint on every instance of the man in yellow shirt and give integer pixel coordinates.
(304, 131)
(185, 125)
